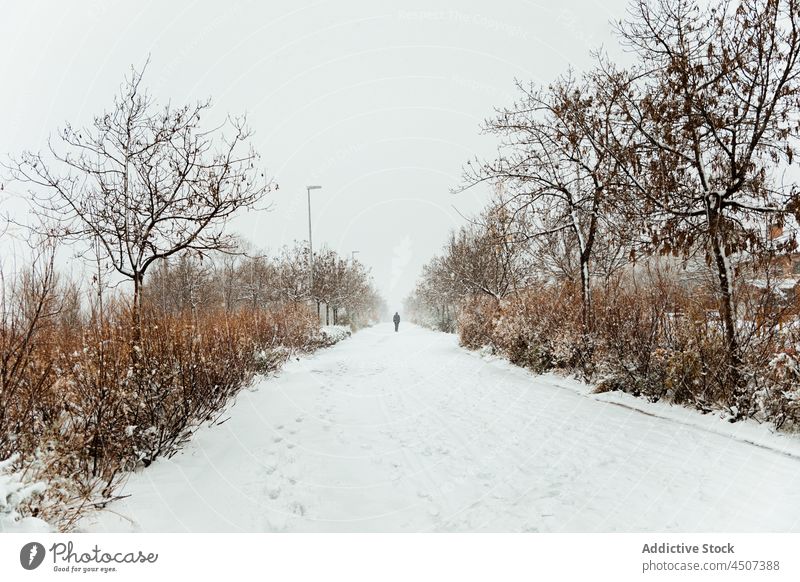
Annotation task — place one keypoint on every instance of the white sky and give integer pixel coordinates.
(378, 102)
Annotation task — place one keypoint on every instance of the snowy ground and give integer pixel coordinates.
(409, 432)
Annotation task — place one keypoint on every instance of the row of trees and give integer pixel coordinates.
(246, 280)
(683, 153)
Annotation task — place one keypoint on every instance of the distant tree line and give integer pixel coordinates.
(342, 291)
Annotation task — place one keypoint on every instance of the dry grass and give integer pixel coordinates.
(84, 402)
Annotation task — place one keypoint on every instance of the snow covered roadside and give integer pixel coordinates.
(747, 431)
(15, 490)
(410, 432)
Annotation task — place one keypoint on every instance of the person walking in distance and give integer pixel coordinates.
(396, 320)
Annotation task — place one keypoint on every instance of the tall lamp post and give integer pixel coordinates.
(310, 246)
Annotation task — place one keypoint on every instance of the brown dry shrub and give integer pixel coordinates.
(780, 396)
(540, 329)
(30, 338)
(476, 321)
(292, 325)
(656, 338)
(85, 404)
(652, 335)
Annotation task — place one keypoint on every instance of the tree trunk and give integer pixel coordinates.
(136, 311)
(136, 319)
(586, 296)
(586, 245)
(584, 254)
(726, 305)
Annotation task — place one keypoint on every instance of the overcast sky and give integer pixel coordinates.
(378, 102)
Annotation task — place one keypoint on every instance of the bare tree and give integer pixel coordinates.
(145, 182)
(712, 110)
(354, 292)
(481, 258)
(560, 182)
(257, 277)
(434, 301)
(293, 281)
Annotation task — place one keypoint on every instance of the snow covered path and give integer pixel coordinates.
(410, 432)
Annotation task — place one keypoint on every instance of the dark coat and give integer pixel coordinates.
(396, 318)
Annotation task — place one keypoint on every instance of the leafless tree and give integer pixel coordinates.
(482, 258)
(712, 110)
(145, 182)
(434, 301)
(355, 293)
(293, 276)
(559, 182)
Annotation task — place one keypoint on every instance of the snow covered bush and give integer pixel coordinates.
(135, 403)
(16, 491)
(476, 321)
(654, 338)
(650, 336)
(292, 325)
(85, 402)
(332, 334)
(535, 330)
(525, 328)
(780, 399)
(267, 360)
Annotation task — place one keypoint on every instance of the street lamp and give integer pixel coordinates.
(353, 256)
(310, 246)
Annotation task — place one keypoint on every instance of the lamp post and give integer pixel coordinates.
(310, 246)
(353, 256)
